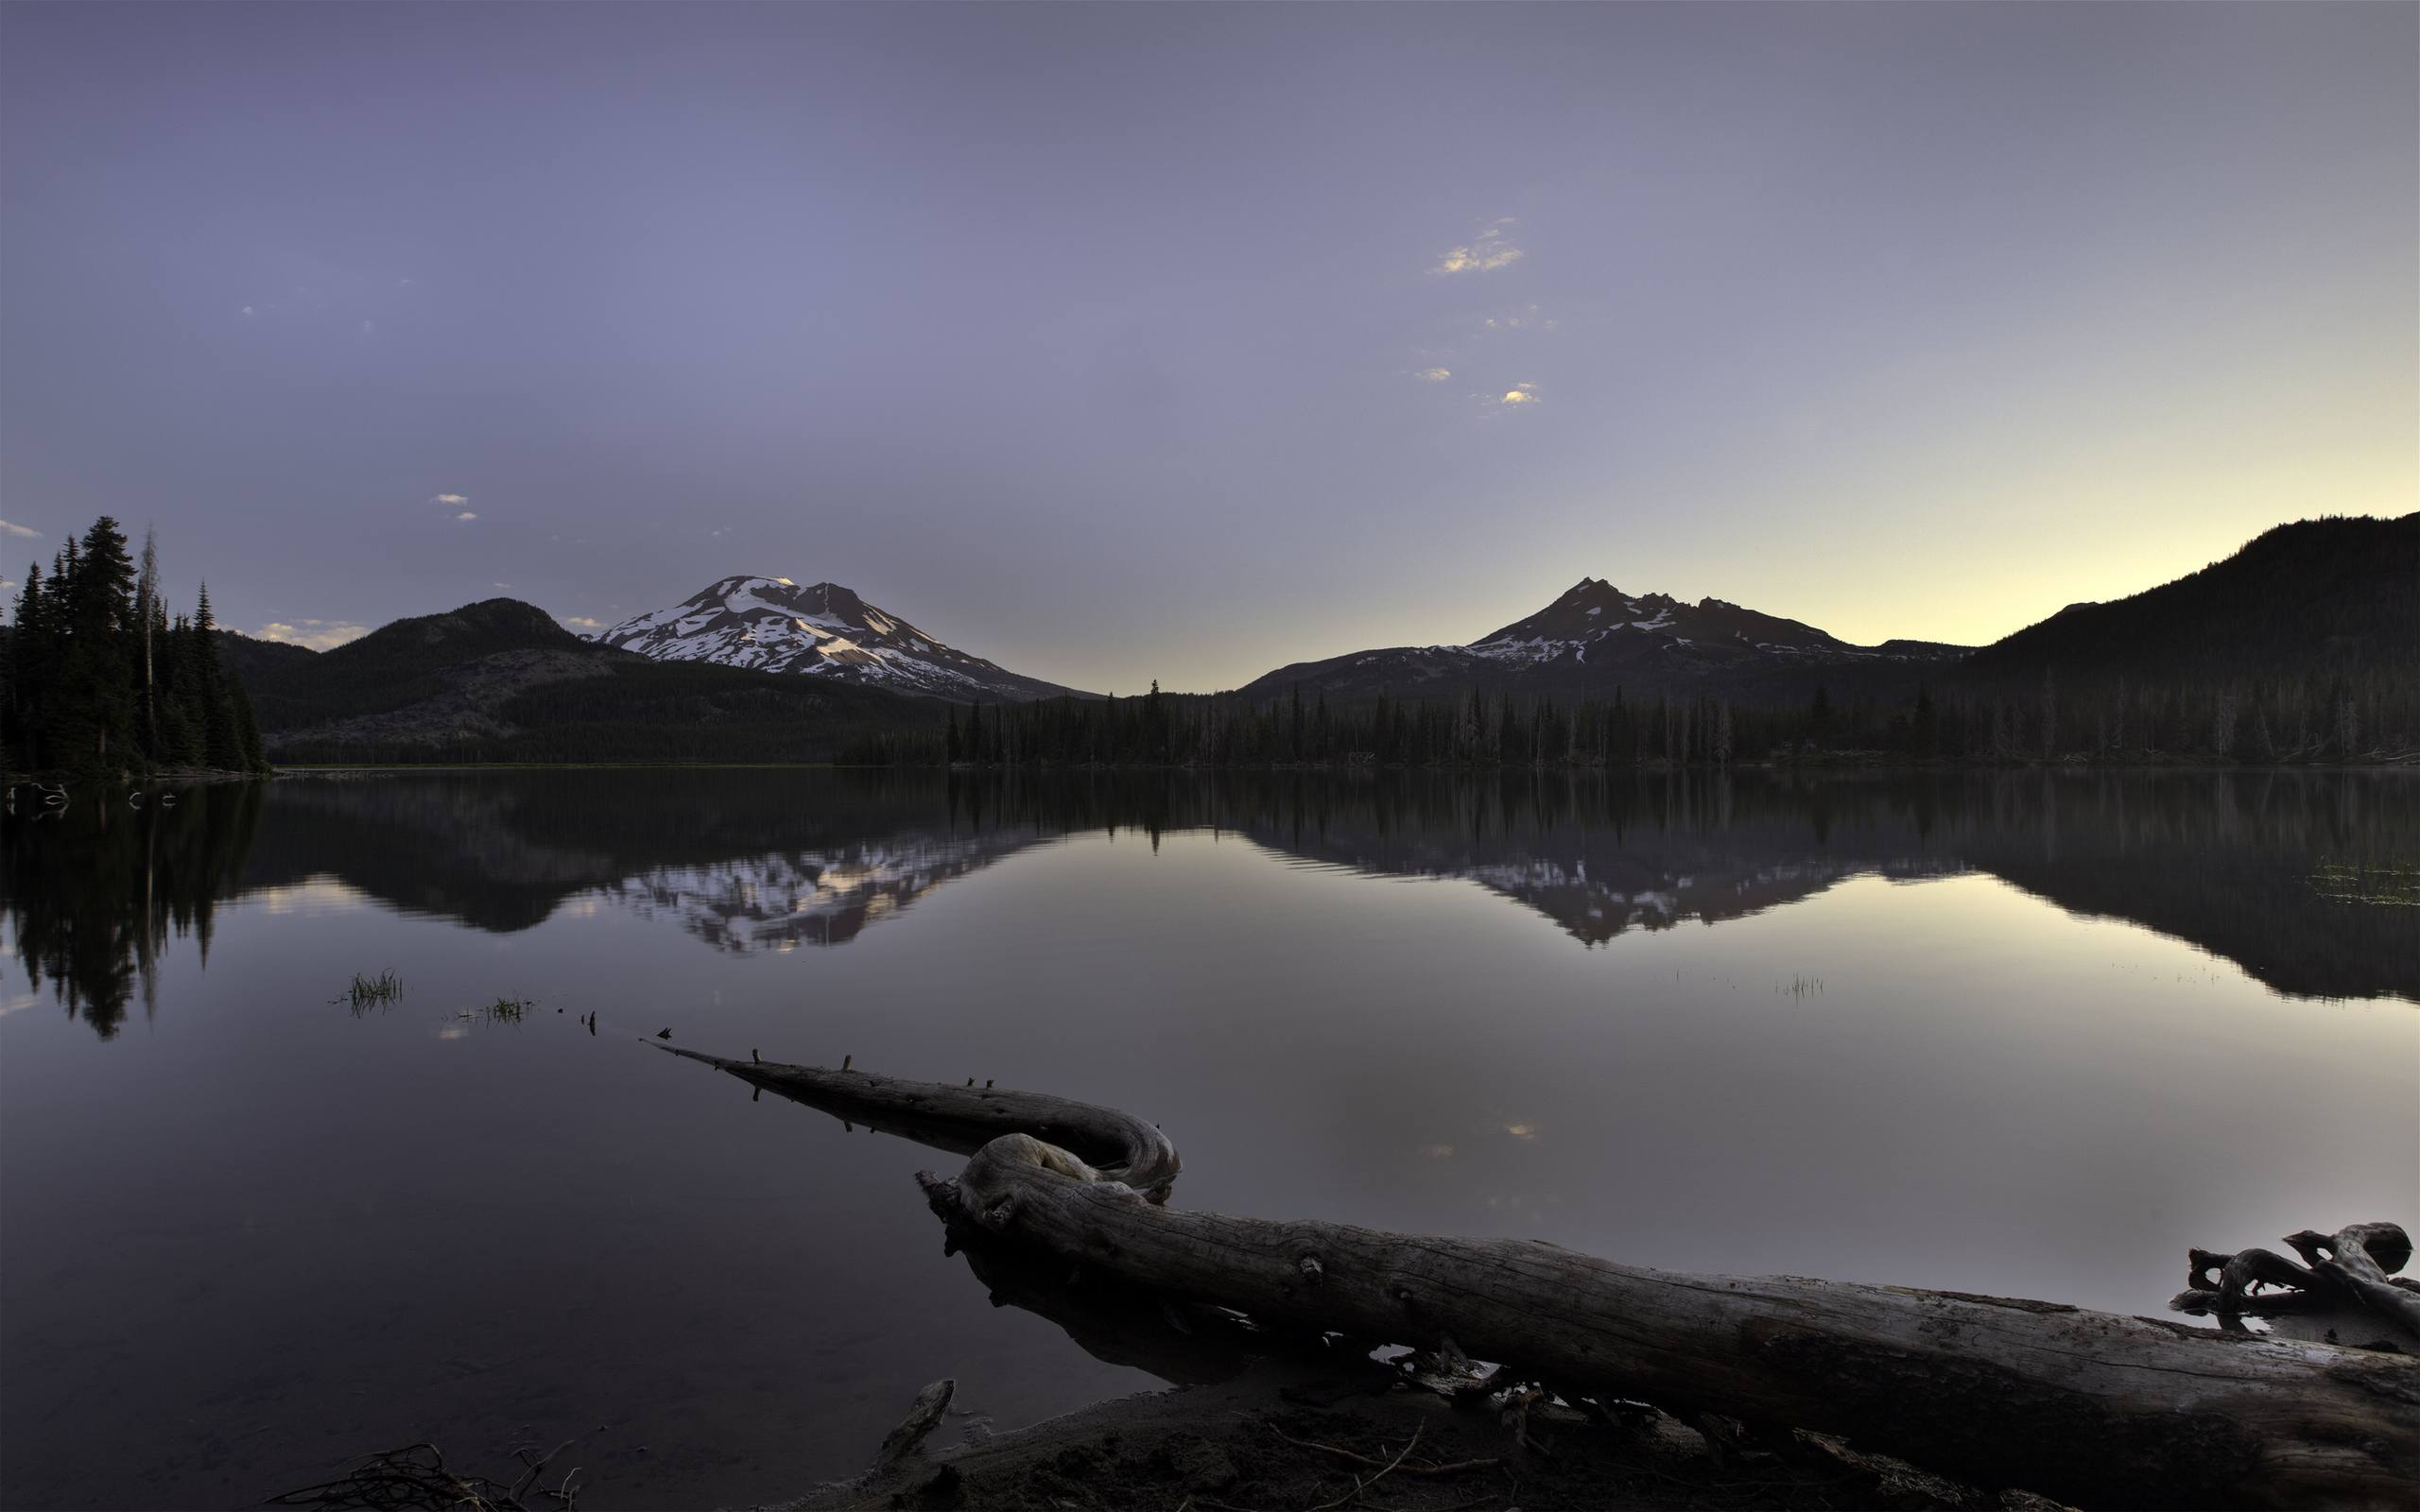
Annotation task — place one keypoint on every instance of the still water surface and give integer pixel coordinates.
(2021, 1034)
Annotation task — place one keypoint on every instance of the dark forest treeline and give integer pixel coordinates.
(99, 678)
(2346, 717)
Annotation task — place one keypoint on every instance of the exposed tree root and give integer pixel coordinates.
(2341, 1292)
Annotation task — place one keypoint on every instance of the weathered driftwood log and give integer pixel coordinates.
(2090, 1407)
(2340, 1294)
(1109, 1146)
(2355, 1261)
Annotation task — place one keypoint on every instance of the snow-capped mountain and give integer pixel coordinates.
(774, 624)
(1598, 638)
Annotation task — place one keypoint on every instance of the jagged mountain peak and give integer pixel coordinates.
(775, 624)
(1597, 637)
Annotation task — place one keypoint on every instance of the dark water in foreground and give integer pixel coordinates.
(2021, 1034)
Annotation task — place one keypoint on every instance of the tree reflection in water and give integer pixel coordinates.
(2302, 878)
(94, 890)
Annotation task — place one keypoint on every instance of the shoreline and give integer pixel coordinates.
(2401, 761)
(1293, 1433)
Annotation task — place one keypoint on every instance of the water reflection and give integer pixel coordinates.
(788, 898)
(94, 890)
(2302, 879)
(248, 1221)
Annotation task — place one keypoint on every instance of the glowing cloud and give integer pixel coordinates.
(8, 529)
(319, 635)
(1434, 375)
(1520, 394)
(466, 515)
(580, 622)
(451, 499)
(1492, 250)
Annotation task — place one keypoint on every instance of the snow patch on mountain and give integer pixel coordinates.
(822, 629)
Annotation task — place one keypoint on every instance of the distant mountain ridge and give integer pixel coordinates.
(2315, 597)
(501, 681)
(2318, 621)
(1596, 638)
(822, 629)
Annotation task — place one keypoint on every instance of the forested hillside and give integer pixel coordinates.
(2318, 598)
(2304, 647)
(250, 660)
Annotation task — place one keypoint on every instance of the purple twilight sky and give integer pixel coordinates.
(1117, 343)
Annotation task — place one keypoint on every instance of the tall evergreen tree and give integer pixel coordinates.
(146, 612)
(31, 650)
(93, 714)
(221, 747)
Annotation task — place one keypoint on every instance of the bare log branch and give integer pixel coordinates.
(2357, 1261)
(1119, 1146)
(922, 1419)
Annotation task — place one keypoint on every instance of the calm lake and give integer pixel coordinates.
(2023, 1033)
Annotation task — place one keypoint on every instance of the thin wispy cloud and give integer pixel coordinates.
(7, 528)
(1493, 249)
(451, 499)
(1434, 375)
(581, 621)
(319, 635)
(466, 515)
(1528, 319)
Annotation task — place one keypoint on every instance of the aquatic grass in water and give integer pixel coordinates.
(381, 991)
(504, 1010)
(2384, 883)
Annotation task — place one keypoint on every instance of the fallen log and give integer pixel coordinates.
(1119, 1146)
(2092, 1408)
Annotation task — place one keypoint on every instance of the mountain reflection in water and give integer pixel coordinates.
(2300, 878)
(257, 1233)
